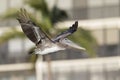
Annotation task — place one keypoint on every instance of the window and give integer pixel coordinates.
(94, 13)
(111, 2)
(95, 3)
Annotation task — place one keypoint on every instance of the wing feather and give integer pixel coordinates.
(66, 33)
(31, 30)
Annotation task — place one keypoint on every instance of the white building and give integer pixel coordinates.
(101, 17)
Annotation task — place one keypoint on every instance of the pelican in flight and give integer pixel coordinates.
(45, 44)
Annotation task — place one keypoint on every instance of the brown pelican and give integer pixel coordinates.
(45, 44)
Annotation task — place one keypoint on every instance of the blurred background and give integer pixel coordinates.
(99, 33)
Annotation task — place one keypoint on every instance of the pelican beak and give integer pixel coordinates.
(71, 44)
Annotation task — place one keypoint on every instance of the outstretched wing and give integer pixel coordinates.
(66, 33)
(31, 30)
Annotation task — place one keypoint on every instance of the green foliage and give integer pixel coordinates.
(39, 5)
(57, 15)
(11, 13)
(54, 15)
(12, 33)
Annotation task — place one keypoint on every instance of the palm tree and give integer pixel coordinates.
(48, 19)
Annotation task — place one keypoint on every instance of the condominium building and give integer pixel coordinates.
(101, 17)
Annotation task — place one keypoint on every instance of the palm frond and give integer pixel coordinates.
(12, 33)
(57, 15)
(11, 13)
(39, 5)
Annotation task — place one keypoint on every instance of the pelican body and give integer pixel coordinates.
(45, 44)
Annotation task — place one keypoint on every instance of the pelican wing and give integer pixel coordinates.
(31, 30)
(66, 33)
